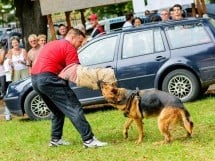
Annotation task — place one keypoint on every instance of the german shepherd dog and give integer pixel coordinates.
(137, 105)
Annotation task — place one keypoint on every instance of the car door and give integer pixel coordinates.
(99, 52)
(142, 53)
(194, 41)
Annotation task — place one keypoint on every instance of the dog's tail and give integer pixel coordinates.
(188, 124)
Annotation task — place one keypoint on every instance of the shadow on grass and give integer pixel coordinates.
(95, 108)
(26, 119)
(205, 96)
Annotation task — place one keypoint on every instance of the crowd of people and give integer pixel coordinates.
(16, 62)
(173, 13)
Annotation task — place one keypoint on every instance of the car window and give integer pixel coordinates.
(159, 45)
(98, 52)
(187, 35)
(142, 42)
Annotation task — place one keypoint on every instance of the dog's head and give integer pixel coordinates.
(111, 93)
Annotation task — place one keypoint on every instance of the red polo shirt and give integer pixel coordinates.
(55, 56)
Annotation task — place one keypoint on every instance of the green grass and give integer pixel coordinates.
(24, 140)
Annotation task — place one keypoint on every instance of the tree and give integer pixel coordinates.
(113, 10)
(31, 20)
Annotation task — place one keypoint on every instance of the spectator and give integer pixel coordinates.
(41, 39)
(97, 28)
(171, 14)
(137, 22)
(56, 93)
(154, 17)
(128, 23)
(177, 12)
(4, 79)
(8, 74)
(34, 51)
(62, 31)
(8, 71)
(2, 72)
(82, 28)
(18, 59)
(147, 14)
(164, 14)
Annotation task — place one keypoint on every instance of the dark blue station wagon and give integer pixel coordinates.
(175, 56)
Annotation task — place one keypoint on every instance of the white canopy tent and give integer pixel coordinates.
(141, 5)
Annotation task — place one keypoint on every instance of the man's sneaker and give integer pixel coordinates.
(93, 143)
(58, 142)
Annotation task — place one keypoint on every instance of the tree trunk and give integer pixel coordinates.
(31, 19)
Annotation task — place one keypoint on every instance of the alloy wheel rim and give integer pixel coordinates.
(180, 86)
(39, 108)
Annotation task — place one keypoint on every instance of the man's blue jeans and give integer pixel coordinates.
(62, 101)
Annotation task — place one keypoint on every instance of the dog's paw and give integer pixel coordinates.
(138, 142)
(125, 135)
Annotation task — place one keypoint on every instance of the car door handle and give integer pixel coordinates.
(159, 58)
(109, 67)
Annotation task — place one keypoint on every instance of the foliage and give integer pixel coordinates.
(22, 139)
(6, 6)
(113, 10)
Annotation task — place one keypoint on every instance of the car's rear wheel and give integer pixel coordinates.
(183, 84)
(35, 107)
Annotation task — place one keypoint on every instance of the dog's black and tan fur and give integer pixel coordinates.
(137, 105)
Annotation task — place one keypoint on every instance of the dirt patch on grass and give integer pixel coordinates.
(2, 105)
(211, 89)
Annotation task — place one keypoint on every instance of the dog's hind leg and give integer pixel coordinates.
(140, 130)
(164, 129)
(165, 120)
(188, 124)
(126, 127)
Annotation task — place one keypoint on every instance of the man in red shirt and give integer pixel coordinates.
(55, 92)
(97, 28)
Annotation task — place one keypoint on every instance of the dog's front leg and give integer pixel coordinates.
(126, 127)
(140, 130)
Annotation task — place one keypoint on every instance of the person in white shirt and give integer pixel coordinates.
(18, 59)
(129, 18)
(8, 73)
(2, 72)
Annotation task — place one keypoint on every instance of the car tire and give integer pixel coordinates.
(183, 84)
(35, 107)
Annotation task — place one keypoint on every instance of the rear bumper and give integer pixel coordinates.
(13, 106)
